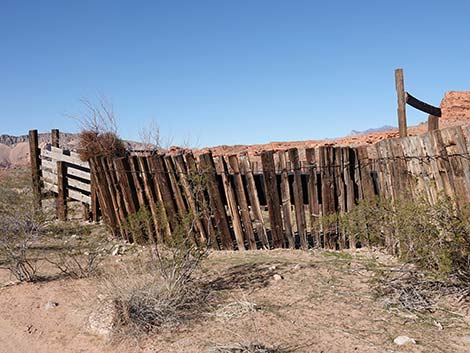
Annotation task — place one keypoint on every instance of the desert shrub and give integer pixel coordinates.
(166, 293)
(78, 261)
(138, 226)
(434, 236)
(20, 227)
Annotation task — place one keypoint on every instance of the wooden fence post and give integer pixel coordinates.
(55, 137)
(61, 191)
(35, 167)
(433, 123)
(401, 110)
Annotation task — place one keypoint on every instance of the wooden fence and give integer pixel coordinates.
(276, 199)
(62, 172)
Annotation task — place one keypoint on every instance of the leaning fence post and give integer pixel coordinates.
(35, 167)
(61, 191)
(433, 123)
(401, 110)
(55, 137)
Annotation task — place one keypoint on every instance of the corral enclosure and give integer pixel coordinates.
(273, 200)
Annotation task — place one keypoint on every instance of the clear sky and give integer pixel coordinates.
(228, 72)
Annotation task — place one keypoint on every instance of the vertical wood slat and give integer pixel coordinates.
(254, 202)
(326, 160)
(55, 137)
(183, 172)
(35, 163)
(349, 157)
(140, 194)
(163, 189)
(160, 222)
(244, 210)
(454, 142)
(175, 187)
(202, 203)
(115, 191)
(298, 197)
(340, 191)
(401, 102)
(313, 202)
(433, 123)
(100, 185)
(61, 191)
(272, 197)
(232, 205)
(285, 200)
(208, 169)
(365, 174)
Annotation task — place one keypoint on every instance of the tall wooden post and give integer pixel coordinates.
(61, 191)
(401, 110)
(35, 167)
(55, 137)
(433, 123)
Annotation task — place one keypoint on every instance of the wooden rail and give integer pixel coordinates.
(62, 172)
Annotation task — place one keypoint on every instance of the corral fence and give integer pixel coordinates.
(63, 173)
(277, 198)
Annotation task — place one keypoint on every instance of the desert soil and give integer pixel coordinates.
(323, 303)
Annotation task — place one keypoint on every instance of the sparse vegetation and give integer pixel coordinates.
(20, 227)
(435, 237)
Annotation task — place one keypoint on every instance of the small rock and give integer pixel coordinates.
(277, 277)
(50, 305)
(402, 340)
(272, 268)
(116, 250)
(297, 267)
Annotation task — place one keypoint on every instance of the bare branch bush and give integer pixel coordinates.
(99, 132)
(20, 228)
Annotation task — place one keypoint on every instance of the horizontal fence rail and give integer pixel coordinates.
(61, 167)
(277, 199)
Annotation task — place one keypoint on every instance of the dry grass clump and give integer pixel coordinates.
(246, 348)
(414, 291)
(164, 294)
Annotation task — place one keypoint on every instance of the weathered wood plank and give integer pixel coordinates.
(35, 164)
(272, 196)
(61, 200)
(254, 201)
(242, 200)
(298, 197)
(285, 199)
(232, 205)
(313, 196)
(218, 209)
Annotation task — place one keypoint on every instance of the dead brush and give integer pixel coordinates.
(99, 135)
(77, 264)
(246, 348)
(415, 291)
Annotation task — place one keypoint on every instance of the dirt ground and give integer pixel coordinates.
(323, 303)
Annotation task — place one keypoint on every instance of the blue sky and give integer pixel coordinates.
(228, 72)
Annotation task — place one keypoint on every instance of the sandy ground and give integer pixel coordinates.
(324, 303)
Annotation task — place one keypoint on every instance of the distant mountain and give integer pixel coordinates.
(372, 130)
